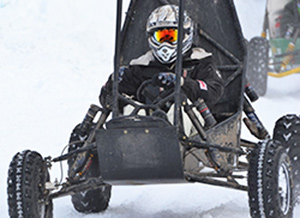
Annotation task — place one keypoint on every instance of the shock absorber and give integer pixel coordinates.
(291, 46)
(252, 121)
(250, 92)
(80, 161)
(208, 117)
(89, 117)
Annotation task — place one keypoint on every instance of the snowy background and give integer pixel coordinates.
(54, 57)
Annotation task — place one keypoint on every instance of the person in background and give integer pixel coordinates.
(290, 19)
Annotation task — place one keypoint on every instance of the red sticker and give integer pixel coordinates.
(184, 73)
(202, 84)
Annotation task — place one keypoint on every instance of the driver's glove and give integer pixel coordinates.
(165, 79)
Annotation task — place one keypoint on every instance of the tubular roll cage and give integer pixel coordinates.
(237, 67)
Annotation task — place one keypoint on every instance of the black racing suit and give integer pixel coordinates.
(201, 78)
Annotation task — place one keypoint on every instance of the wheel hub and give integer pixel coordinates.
(284, 188)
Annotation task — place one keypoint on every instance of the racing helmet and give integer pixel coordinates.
(162, 33)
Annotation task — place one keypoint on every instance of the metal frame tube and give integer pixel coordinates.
(117, 59)
(178, 67)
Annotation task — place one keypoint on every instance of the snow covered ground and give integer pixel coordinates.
(54, 57)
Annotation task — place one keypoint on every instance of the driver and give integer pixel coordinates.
(290, 18)
(199, 79)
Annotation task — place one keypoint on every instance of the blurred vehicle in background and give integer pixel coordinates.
(277, 51)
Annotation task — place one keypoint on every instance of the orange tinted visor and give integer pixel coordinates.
(166, 35)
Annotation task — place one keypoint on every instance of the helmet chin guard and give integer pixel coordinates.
(166, 17)
(165, 53)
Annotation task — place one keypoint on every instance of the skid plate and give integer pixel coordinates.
(139, 155)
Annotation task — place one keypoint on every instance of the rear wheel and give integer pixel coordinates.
(26, 191)
(287, 131)
(257, 64)
(92, 201)
(270, 181)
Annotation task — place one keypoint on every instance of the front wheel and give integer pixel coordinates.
(27, 195)
(92, 201)
(287, 131)
(270, 181)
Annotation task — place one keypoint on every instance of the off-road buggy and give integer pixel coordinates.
(108, 148)
(273, 53)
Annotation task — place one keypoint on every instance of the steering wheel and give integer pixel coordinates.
(153, 94)
(165, 98)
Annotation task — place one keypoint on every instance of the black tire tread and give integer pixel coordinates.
(287, 131)
(263, 194)
(257, 64)
(26, 175)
